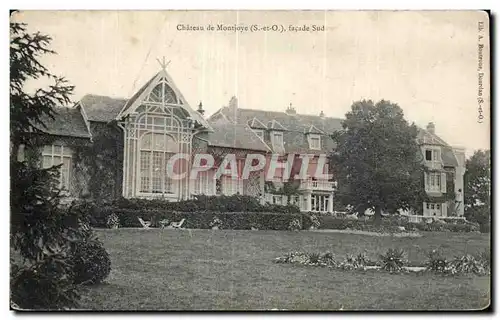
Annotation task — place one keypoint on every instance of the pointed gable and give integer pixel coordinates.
(275, 125)
(257, 124)
(162, 89)
(312, 129)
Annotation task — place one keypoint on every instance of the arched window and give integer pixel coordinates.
(155, 151)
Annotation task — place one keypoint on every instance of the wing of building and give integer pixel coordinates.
(119, 147)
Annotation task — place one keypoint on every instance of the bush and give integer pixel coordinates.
(313, 258)
(466, 264)
(234, 203)
(436, 262)
(91, 262)
(484, 259)
(352, 262)
(392, 260)
(44, 285)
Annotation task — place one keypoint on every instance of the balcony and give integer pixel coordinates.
(322, 185)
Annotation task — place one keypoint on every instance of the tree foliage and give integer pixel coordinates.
(27, 110)
(42, 232)
(376, 160)
(477, 181)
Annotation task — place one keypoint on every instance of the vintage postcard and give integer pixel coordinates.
(250, 160)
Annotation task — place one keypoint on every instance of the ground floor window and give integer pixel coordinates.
(319, 203)
(231, 185)
(153, 170)
(53, 155)
(204, 183)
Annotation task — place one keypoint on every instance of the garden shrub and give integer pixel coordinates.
(44, 285)
(393, 260)
(91, 262)
(295, 225)
(234, 203)
(484, 258)
(352, 262)
(466, 264)
(436, 262)
(303, 258)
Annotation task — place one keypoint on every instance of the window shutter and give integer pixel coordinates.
(426, 178)
(443, 182)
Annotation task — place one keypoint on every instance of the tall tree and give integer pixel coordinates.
(477, 180)
(376, 160)
(41, 231)
(27, 110)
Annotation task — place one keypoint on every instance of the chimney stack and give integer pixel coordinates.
(431, 127)
(200, 109)
(233, 103)
(290, 110)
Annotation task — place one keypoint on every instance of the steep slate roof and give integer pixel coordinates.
(101, 108)
(139, 92)
(447, 154)
(238, 136)
(67, 122)
(294, 126)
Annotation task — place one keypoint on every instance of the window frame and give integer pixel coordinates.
(277, 134)
(64, 182)
(314, 137)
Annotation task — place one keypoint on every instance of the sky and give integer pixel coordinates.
(425, 61)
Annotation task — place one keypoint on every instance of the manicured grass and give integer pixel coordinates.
(234, 270)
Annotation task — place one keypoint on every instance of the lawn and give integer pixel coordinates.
(234, 270)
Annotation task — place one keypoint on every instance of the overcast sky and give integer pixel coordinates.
(424, 61)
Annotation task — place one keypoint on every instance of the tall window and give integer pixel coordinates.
(434, 181)
(54, 155)
(156, 149)
(277, 140)
(319, 203)
(204, 183)
(432, 155)
(231, 185)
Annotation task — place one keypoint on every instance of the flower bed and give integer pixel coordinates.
(394, 261)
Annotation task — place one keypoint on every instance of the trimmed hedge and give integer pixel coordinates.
(391, 225)
(234, 203)
(200, 220)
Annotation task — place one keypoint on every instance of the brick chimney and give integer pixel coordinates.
(200, 109)
(431, 127)
(290, 110)
(233, 103)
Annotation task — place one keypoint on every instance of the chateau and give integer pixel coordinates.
(132, 140)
